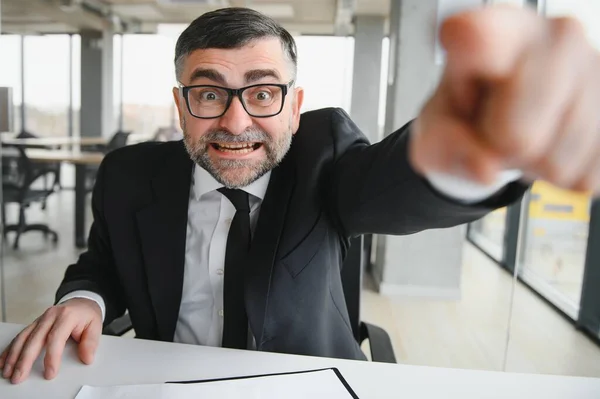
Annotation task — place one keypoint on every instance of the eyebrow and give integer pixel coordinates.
(250, 76)
(258, 74)
(210, 74)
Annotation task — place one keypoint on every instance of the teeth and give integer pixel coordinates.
(236, 145)
(241, 151)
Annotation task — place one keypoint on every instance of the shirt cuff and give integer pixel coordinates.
(87, 295)
(467, 191)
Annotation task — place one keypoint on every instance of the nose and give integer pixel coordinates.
(236, 120)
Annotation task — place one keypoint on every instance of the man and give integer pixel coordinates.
(253, 211)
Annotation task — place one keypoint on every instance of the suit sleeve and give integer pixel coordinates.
(95, 269)
(375, 190)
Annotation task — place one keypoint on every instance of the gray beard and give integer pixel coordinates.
(230, 172)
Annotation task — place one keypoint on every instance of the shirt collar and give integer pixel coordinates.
(204, 183)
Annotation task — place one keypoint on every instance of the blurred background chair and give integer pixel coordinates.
(352, 277)
(167, 133)
(55, 167)
(118, 140)
(19, 178)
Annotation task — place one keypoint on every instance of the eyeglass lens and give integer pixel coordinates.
(263, 100)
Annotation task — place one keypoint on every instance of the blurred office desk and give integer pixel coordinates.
(75, 157)
(81, 159)
(122, 361)
(54, 141)
(63, 142)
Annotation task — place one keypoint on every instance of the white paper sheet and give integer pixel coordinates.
(318, 384)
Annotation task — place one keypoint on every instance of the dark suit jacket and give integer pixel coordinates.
(332, 185)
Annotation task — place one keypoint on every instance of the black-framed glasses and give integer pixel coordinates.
(259, 100)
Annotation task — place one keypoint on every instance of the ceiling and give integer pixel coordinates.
(309, 17)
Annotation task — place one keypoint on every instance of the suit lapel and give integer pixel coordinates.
(264, 248)
(162, 228)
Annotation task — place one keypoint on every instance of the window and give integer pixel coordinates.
(46, 76)
(10, 72)
(148, 78)
(325, 66)
(553, 244)
(488, 233)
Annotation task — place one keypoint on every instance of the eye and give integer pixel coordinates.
(263, 95)
(209, 96)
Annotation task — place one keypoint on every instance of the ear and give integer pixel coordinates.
(180, 102)
(296, 108)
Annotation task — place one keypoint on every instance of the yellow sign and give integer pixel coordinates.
(549, 202)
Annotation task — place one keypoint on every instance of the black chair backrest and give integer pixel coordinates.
(24, 134)
(118, 140)
(17, 170)
(352, 272)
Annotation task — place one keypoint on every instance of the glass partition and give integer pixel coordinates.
(488, 233)
(555, 326)
(553, 242)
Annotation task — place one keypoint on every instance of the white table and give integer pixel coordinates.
(133, 361)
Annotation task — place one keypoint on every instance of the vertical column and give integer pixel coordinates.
(366, 79)
(589, 308)
(23, 98)
(97, 114)
(2, 285)
(426, 264)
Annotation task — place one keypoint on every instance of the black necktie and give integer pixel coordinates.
(235, 323)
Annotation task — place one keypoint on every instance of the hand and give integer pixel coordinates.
(78, 318)
(518, 92)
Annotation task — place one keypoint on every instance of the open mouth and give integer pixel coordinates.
(236, 148)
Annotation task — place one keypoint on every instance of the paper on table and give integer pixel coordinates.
(318, 384)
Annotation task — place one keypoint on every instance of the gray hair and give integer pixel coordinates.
(230, 28)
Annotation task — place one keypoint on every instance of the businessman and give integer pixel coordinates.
(235, 236)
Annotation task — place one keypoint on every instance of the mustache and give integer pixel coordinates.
(251, 134)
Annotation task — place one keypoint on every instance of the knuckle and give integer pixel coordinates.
(51, 312)
(17, 342)
(22, 366)
(52, 336)
(12, 355)
(523, 147)
(11, 358)
(28, 344)
(569, 28)
(63, 312)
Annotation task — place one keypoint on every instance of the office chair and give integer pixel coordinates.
(18, 177)
(53, 167)
(118, 140)
(352, 271)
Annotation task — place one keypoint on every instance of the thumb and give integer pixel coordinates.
(90, 337)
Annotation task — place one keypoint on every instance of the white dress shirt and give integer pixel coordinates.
(210, 213)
